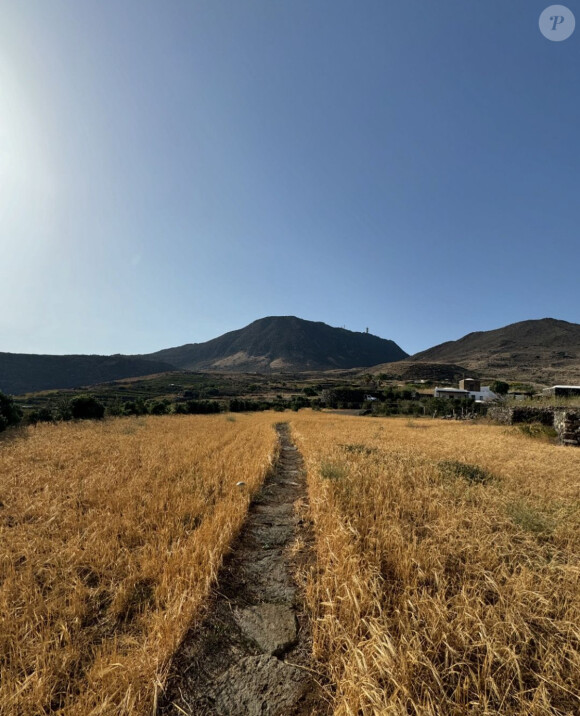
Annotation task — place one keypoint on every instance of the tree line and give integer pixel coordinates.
(89, 407)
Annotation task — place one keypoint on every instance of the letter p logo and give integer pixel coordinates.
(557, 23)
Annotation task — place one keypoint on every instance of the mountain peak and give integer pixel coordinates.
(275, 343)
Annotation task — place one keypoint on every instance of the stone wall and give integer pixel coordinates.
(565, 421)
(511, 416)
(500, 415)
(567, 424)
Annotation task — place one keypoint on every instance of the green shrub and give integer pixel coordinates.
(158, 408)
(135, 407)
(116, 408)
(499, 387)
(299, 401)
(87, 407)
(538, 431)
(10, 413)
(63, 409)
(203, 407)
(471, 473)
(44, 415)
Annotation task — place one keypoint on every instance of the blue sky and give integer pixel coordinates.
(172, 170)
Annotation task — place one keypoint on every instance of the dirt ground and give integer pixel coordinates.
(250, 654)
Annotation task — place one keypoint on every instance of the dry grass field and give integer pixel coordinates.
(110, 534)
(445, 580)
(447, 573)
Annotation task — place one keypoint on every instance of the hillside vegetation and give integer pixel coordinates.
(24, 373)
(447, 567)
(545, 351)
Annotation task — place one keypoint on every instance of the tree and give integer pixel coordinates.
(135, 407)
(116, 408)
(87, 407)
(299, 401)
(499, 387)
(180, 409)
(63, 409)
(10, 413)
(44, 415)
(158, 408)
(202, 407)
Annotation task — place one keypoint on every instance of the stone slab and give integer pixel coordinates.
(271, 626)
(260, 686)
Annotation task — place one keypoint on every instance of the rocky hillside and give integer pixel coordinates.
(283, 343)
(545, 351)
(409, 370)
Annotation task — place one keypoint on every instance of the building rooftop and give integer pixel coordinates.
(452, 390)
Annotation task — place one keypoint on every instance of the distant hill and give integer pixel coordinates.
(545, 351)
(414, 371)
(26, 373)
(283, 343)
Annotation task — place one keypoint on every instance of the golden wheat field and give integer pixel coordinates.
(445, 578)
(110, 535)
(447, 571)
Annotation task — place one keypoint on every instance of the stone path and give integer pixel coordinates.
(250, 656)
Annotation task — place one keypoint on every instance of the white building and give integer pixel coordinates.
(454, 393)
(484, 394)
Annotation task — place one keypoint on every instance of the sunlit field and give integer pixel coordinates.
(447, 577)
(110, 535)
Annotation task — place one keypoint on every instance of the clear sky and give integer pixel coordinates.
(174, 169)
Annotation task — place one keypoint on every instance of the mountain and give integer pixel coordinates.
(545, 351)
(25, 373)
(276, 343)
(283, 343)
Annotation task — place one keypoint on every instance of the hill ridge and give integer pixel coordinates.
(543, 350)
(283, 342)
(273, 343)
(28, 372)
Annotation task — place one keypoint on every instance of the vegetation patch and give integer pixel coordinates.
(10, 413)
(359, 449)
(538, 431)
(530, 518)
(472, 473)
(332, 471)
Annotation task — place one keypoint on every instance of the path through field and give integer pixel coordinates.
(251, 653)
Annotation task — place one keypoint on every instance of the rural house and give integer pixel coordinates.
(468, 388)
(562, 391)
(454, 393)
